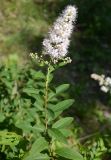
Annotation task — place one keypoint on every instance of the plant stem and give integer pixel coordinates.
(46, 98)
(46, 109)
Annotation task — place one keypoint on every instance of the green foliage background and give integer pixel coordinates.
(24, 24)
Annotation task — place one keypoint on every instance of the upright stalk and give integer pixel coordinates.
(46, 98)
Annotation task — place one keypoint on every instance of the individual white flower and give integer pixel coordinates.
(57, 42)
(104, 89)
(108, 81)
(99, 78)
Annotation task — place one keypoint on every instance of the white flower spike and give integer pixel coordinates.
(57, 42)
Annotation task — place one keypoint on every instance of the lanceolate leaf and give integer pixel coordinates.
(66, 132)
(37, 156)
(37, 74)
(59, 90)
(62, 88)
(61, 106)
(68, 153)
(63, 122)
(26, 127)
(30, 91)
(38, 146)
(57, 135)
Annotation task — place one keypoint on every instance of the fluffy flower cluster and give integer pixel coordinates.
(104, 82)
(57, 42)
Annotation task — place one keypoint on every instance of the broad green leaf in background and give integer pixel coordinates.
(63, 122)
(68, 153)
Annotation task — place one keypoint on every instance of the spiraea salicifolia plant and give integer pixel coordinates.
(104, 82)
(33, 107)
(52, 141)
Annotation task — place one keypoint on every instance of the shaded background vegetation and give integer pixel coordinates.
(24, 24)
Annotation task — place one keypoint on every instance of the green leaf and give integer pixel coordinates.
(39, 100)
(57, 135)
(37, 156)
(30, 91)
(41, 84)
(26, 127)
(38, 146)
(38, 106)
(63, 122)
(61, 106)
(50, 115)
(9, 138)
(37, 74)
(69, 153)
(2, 117)
(62, 88)
(58, 90)
(66, 132)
